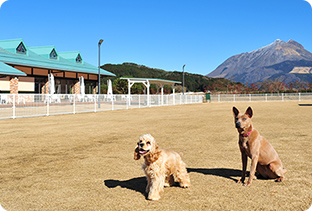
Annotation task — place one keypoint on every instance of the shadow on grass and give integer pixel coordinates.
(137, 184)
(220, 172)
(305, 104)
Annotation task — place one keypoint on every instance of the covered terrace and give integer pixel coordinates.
(148, 81)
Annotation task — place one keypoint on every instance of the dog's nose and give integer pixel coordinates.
(237, 125)
(141, 145)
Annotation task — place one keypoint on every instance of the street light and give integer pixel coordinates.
(183, 82)
(99, 76)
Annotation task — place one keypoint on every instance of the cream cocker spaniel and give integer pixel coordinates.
(162, 167)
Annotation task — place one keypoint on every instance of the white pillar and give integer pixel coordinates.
(129, 92)
(162, 94)
(148, 94)
(173, 92)
(129, 87)
(147, 85)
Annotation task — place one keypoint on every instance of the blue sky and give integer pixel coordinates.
(162, 34)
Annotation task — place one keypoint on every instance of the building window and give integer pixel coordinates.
(53, 54)
(21, 49)
(78, 59)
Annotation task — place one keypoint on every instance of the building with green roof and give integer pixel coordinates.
(32, 65)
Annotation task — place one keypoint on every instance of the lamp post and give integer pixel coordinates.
(183, 82)
(99, 76)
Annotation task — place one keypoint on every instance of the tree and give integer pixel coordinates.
(120, 86)
(298, 86)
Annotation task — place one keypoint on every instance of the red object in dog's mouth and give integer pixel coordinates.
(143, 152)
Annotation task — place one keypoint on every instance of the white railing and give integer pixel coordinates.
(261, 97)
(31, 105)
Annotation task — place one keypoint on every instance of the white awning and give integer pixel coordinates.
(148, 81)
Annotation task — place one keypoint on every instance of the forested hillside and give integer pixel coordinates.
(193, 82)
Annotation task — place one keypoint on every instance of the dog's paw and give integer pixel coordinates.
(185, 185)
(247, 184)
(240, 182)
(280, 179)
(167, 184)
(153, 198)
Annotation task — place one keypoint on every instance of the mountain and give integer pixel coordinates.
(193, 82)
(283, 61)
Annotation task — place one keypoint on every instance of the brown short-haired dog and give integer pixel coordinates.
(162, 167)
(264, 158)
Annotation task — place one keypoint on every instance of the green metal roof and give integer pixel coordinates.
(39, 57)
(8, 70)
(11, 45)
(43, 50)
(71, 55)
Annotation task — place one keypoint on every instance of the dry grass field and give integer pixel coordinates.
(85, 161)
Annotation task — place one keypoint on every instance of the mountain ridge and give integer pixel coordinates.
(261, 64)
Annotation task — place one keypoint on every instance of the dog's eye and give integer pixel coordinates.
(244, 119)
(148, 143)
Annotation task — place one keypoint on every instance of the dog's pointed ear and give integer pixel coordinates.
(235, 111)
(249, 112)
(137, 155)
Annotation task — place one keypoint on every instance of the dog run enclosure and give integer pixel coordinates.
(31, 105)
(261, 97)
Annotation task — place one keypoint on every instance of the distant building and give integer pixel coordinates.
(25, 69)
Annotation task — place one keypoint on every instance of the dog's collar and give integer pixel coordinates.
(246, 134)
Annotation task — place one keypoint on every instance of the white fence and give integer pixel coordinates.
(31, 105)
(261, 97)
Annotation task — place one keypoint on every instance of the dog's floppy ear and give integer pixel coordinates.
(235, 111)
(249, 112)
(137, 155)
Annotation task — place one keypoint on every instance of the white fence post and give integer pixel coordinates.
(266, 97)
(94, 98)
(158, 99)
(14, 106)
(299, 96)
(48, 105)
(173, 99)
(74, 104)
(128, 101)
(113, 103)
